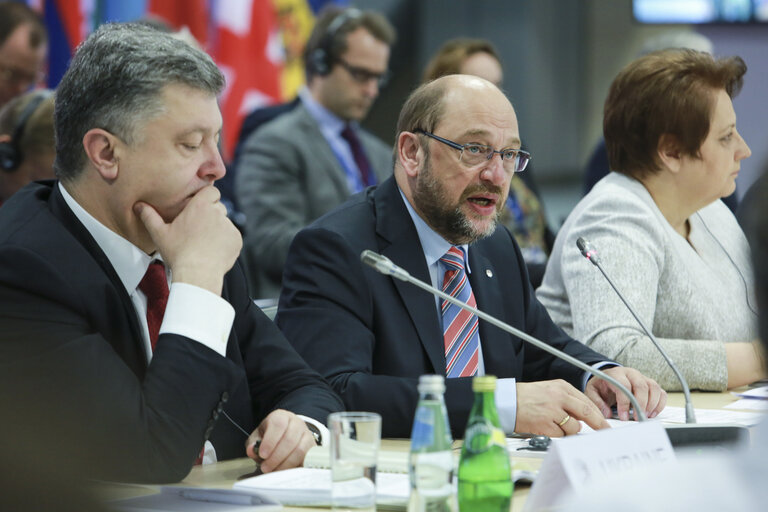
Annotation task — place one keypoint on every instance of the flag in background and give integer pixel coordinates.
(258, 44)
(247, 48)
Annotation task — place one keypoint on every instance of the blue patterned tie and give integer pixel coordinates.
(460, 334)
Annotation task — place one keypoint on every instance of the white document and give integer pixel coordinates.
(760, 393)
(715, 416)
(388, 461)
(749, 404)
(575, 461)
(197, 499)
(312, 487)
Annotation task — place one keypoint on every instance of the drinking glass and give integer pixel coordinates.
(355, 440)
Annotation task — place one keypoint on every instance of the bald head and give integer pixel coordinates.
(449, 95)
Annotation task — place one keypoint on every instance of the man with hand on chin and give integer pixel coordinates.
(371, 336)
(138, 377)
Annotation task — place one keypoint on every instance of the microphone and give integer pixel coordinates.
(709, 434)
(385, 266)
(591, 254)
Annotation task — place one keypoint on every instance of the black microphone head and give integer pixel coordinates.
(582, 245)
(586, 250)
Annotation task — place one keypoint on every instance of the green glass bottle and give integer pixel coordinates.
(431, 459)
(485, 474)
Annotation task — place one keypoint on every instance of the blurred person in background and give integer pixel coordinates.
(305, 162)
(27, 147)
(23, 49)
(524, 213)
(671, 246)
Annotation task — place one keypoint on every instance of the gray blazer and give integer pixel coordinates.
(287, 177)
(695, 294)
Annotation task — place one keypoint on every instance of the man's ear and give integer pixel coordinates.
(100, 146)
(410, 153)
(668, 152)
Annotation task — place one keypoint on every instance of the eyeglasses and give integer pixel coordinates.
(363, 76)
(14, 75)
(514, 160)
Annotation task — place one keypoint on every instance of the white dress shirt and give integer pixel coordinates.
(191, 311)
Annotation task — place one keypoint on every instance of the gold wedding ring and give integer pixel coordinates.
(564, 420)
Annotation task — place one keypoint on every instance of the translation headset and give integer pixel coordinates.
(10, 153)
(321, 58)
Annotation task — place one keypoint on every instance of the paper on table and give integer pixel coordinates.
(715, 416)
(749, 404)
(197, 499)
(388, 461)
(312, 487)
(760, 393)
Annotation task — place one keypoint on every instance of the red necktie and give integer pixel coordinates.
(154, 284)
(358, 153)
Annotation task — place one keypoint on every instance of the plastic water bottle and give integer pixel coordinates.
(431, 461)
(485, 476)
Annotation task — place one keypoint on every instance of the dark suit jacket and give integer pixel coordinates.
(372, 336)
(71, 341)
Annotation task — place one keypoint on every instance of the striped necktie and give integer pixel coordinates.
(460, 334)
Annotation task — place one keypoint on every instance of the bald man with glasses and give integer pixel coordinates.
(371, 336)
(305, 162)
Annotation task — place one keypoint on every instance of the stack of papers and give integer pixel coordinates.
(197, 499)
(754, 400)
(312, 487)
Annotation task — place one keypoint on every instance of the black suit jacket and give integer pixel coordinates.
(71, 350)
(372, 336)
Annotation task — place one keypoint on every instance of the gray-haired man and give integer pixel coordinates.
(88, 327)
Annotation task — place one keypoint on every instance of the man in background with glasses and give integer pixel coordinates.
(23, 49)
(309, 160)
(371, 336)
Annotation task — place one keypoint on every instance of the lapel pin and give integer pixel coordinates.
(489, 272)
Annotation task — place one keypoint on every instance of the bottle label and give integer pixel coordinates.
(423, 429)
(482, 435)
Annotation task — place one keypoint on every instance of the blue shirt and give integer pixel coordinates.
(331, 127)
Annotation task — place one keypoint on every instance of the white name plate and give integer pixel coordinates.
(575, 461)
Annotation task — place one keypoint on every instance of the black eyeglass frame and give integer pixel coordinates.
(362, 75)
(520, 155)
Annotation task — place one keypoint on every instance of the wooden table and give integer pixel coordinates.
(224, 474)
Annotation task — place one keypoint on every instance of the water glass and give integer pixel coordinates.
(355, 440)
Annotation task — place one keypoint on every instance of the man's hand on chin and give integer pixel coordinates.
(201, 244)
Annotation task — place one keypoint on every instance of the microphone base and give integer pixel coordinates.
(704, 435)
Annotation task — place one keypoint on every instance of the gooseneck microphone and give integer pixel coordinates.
(591, 254)
(385, 266)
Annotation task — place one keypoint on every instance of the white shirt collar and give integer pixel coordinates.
(130, 262)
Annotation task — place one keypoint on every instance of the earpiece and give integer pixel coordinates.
(321, 57)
